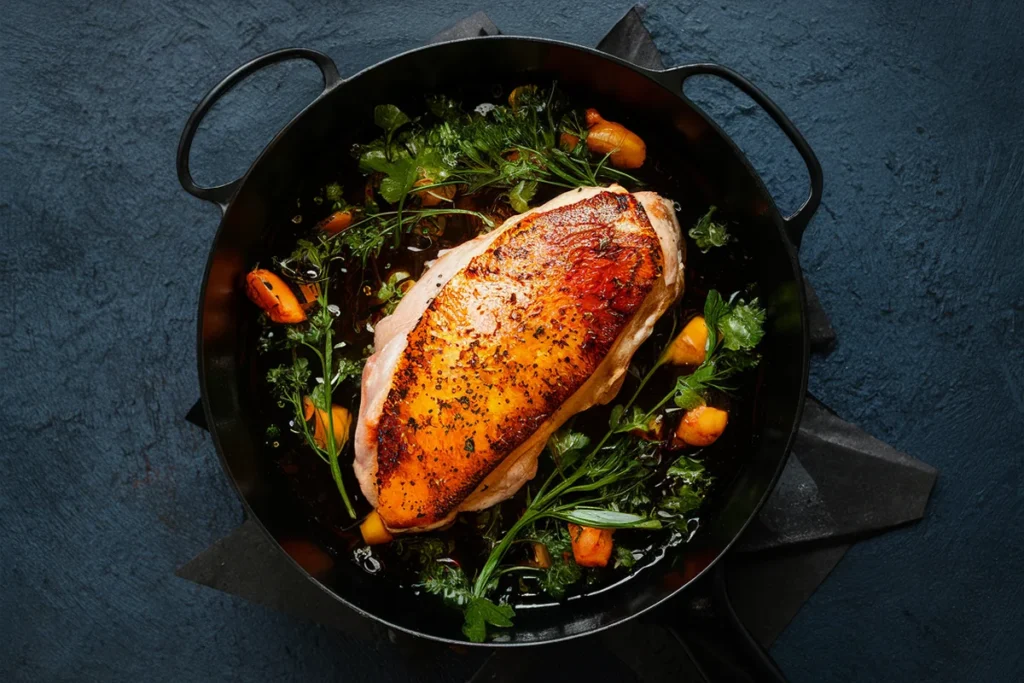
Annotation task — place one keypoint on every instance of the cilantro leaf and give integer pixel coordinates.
(624, 557)
(685, 499)
(687, 470)
(690, 388)
(402, 166)
(566, 446)
(690, 482)
(520, 195)
(391, 292)
(637, 419)
(390, 118)
(481, 612)
(708, 234)
(742, 327)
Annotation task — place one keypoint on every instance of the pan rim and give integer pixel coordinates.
(776, 219)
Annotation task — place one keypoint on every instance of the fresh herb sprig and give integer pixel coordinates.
(595, 486)
(311, 263)
(513, 148)
(365, 239)
(708, 233)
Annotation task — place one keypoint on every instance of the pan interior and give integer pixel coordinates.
(705, 166)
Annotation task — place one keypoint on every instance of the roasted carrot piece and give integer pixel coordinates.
(702, 426)
(269, 292)
(689, 347)
(373, 530)
(591, 547)
(336, 222)
(310, 292)
(603, 137)
(342, 422)
(541, 556)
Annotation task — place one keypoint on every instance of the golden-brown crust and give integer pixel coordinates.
(504, 343)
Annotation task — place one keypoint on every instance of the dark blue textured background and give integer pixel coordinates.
(914, 109)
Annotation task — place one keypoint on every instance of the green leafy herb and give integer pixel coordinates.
(690, 389)
(390, 118)
(365, 238)
(447, 581)
(513, 148)
(520, 195)
(624, 557)
(334, 194)
(480, 613)
(562, 573)
(391, 292)
(715, 307)
(743, 326)
(687, 470)
(311, 262)
(566, 445)
(708, 234)
(606, 519)
(637, 420)
(689, 482)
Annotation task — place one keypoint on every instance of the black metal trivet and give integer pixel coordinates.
(839, 485)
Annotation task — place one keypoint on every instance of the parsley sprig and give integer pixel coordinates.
(707, 233)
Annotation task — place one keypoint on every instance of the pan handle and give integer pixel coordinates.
(714, 638)
(796, 224)
(222, 194)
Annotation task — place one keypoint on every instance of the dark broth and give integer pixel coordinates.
(308, 480)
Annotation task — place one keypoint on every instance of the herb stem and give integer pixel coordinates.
(483, 579)
(332, 445)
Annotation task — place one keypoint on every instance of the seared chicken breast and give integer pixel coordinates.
(501, 341)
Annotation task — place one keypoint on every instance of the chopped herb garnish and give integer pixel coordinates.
(708, 234)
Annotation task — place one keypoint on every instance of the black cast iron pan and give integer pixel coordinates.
(714, 168)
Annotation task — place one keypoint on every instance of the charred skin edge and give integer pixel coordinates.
(609, 272)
